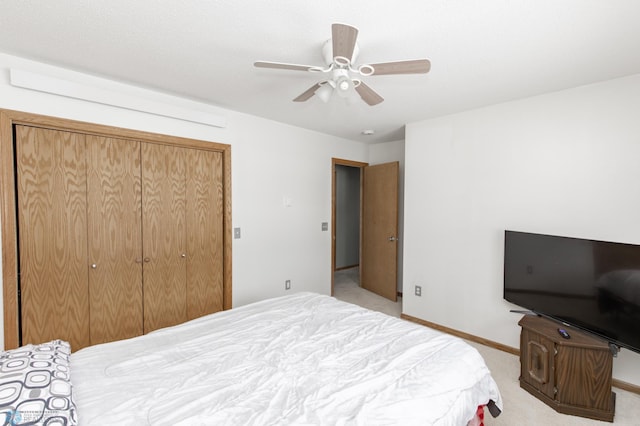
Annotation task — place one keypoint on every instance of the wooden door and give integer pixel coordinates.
(379, 258)
(52, 234)
(163, 235)
(115, 238)
(204, 224)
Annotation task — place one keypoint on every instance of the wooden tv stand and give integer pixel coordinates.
(572, 376)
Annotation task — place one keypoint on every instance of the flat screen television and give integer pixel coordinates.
(591, 285)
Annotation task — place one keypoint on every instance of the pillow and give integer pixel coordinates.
(35, 385)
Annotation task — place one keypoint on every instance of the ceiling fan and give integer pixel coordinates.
(340, 53)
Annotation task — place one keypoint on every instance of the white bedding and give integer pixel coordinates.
(304, 359)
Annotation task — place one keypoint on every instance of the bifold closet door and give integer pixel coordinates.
(182, 210)
(52, 227)
(115, 238)
(163, 235)
(204, 232)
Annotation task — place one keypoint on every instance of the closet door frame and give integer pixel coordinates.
(9, 118)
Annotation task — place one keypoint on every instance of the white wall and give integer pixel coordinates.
(270, 161)
(385, 153)
(565, 163)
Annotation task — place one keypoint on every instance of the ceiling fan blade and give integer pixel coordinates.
(418, 66)
(284, 66)
(368, 94)
(307, 93)
(344, 40)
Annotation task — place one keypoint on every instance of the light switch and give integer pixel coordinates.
(325, 226)
(236, 233)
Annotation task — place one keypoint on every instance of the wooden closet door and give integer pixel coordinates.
(164, 239)
(52, 227)
(204, 233)
(115, 238)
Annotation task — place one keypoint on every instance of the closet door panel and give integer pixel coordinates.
(164, 239)
(204, 233)
(115, 238)
(52, 235)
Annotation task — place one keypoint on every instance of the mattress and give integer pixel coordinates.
(303, 359)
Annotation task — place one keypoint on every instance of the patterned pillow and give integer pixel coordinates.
(35, 385)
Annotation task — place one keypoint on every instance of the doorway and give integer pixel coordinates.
(364, 222)
(347, 212)
(346, 227)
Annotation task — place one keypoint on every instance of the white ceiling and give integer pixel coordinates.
(482, 52)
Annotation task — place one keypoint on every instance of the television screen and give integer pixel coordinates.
(592, 285)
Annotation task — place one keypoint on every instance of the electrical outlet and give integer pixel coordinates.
(418, 290)
(287, 285)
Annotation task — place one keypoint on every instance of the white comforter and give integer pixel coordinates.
(304, 359)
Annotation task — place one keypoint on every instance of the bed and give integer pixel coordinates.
(303, 359)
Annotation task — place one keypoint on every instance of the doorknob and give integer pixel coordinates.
(94, 266)
(183, 255)
(147, 260)
(394, 239)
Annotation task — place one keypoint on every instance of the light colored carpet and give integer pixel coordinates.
(346, 287)
(520, 408)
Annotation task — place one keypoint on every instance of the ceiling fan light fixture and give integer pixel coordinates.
(324, 92)
(344, 86)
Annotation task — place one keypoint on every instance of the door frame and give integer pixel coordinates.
(342, 162)
(9, 118)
